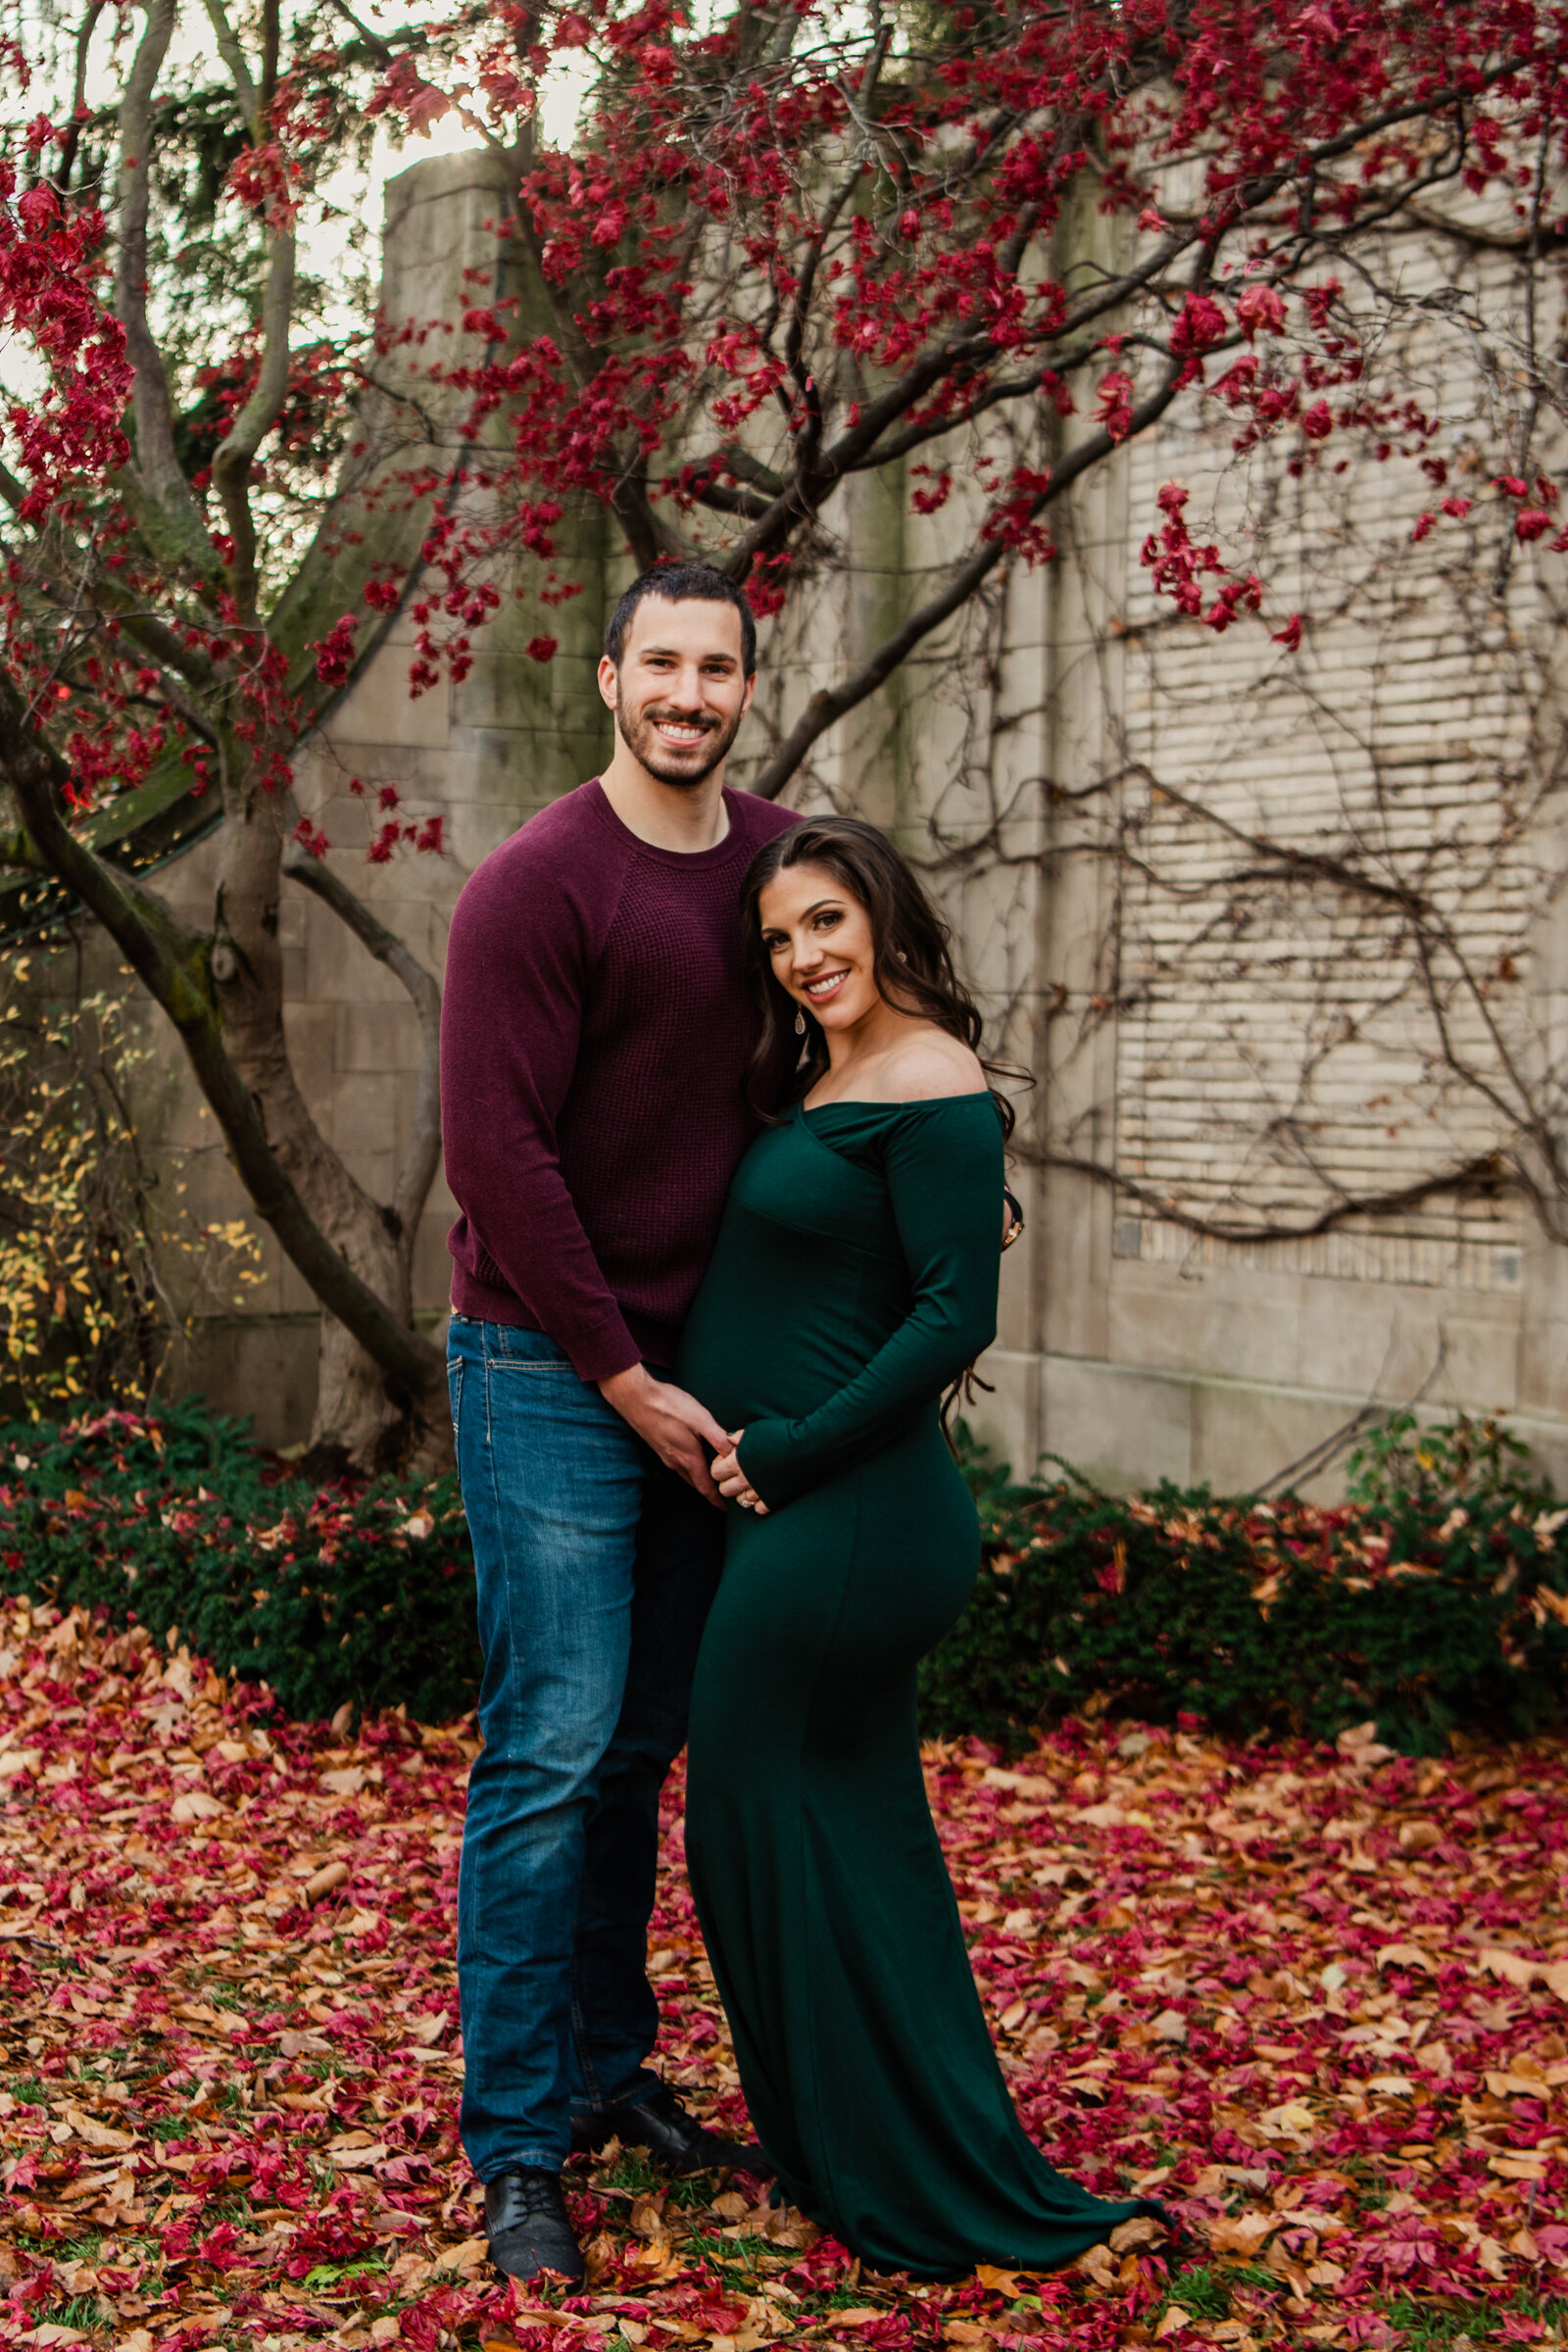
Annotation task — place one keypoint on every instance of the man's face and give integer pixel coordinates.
(680, 692)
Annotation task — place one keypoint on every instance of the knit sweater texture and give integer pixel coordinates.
(593, 1037)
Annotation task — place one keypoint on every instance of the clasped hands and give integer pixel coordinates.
(730, 1478)
(678, 1429)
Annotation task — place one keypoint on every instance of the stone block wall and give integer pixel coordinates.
(1085, 780)
(484, 754)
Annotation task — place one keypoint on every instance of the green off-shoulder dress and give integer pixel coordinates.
(855, 1276)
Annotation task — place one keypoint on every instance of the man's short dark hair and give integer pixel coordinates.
(682, 584)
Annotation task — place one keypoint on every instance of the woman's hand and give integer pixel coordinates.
(730, 1478)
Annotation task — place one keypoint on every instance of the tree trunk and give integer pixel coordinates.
(361, 1416)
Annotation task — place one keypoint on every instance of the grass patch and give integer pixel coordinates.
(328, 2274)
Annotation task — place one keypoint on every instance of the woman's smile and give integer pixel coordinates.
(818, 937)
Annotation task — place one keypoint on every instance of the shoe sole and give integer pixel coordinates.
(544, 2271)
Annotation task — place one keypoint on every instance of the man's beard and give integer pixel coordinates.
(640, 736)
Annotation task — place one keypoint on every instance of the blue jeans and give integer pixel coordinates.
(595, 1569)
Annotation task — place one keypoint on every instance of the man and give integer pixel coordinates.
(595, 1032)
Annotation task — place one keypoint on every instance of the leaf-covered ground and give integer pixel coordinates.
(1316, 2000)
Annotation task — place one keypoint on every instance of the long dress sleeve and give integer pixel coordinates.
(942, 1165)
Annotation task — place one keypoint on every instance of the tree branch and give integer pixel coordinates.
(232, 466)
(165, 957)
(1487, 1173)
(79, 96)
(173, 525)
(830, 703)
(423, 1156)
(239, 73)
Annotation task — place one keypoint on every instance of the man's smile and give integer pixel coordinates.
(681, 733)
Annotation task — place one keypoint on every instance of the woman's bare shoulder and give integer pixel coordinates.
(929, 1066)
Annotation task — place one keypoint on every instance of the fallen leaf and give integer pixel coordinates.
(1242, 2233)
(1098, 2264)
(96, 2135)
(1512, 1967)
(195, 1804)
(1141, 2231)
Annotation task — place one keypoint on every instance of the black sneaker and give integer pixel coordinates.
(529, 2226)
(674, 2140)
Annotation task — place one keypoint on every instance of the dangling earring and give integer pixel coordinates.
(799, 1024)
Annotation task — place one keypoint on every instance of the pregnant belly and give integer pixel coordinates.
(756, 1345)
(845, 1590)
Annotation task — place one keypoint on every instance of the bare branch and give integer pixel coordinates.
(423, 1158)
(167, 958)
(1488, 1173)
(73, 139)
(239, 73)
(232, 466)
(830, 703)
(172, 522)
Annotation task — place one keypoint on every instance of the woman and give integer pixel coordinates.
(855, 1279)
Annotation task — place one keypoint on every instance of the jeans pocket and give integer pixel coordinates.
(454, 1390)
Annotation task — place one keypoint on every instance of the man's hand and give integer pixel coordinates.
(672, 1423)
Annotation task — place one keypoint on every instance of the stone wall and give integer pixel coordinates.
(484, 753)
(1084, 780)
(1299, 947)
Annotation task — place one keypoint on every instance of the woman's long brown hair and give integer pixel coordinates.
(912, 950)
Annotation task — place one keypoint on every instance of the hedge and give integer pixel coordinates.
(1433, 1604)
(357, 1593)
(1436, 1603)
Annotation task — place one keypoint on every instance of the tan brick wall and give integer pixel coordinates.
(1250, 1046)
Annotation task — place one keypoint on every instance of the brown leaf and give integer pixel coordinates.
(646, 2219)
(599, 2255)
(1513, 1967)
(195, 1804)
(1100, 2264)
(1407, 1955)
(98, 2135)
(1242, 2233)
(1141, 2231)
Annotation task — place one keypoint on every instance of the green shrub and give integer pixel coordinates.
(1421, 1609)
(1434, 1604)
(355, 1592)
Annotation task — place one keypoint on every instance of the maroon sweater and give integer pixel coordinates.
(594, 1035)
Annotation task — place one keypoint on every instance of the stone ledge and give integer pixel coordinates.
(1125, 1426)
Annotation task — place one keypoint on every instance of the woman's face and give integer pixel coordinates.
(818, 938)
